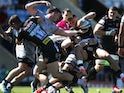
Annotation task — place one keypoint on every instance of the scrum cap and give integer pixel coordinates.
(85, 24)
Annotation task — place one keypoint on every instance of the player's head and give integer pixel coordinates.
(112, 12)
(55, 14)
(15, 22)
(53, 9)
(72, 21)
(66, 13)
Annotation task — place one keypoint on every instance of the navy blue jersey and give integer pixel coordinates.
(108, 42)
(33, 32)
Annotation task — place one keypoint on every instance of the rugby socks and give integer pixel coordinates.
(81, 67)
(114, 78)
(5, 82)
(69, 89)
(80, 64)
(10, 86)
(47, 85)
(52, 89)
(119, 73)
(35, 82)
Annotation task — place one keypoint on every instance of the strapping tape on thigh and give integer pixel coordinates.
(100, 61)
(115, 57)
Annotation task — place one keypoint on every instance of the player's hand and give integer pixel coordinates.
(48, 3)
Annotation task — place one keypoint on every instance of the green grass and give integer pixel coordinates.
(25, 89)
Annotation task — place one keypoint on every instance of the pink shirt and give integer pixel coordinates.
(62, 24)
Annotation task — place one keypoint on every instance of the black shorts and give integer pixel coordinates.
(91, 51)
(49, 52)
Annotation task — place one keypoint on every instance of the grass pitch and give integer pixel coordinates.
(27, 89)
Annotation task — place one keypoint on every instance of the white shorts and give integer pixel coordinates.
(27, 51)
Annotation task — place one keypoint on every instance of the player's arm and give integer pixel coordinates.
(90, 15)
(31, 7)
(121, 35)
(66, 43)
(98, 30)
(121, 40)
(66, 32)
(3, 34)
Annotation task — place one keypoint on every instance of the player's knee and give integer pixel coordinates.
(100, 61)
(99, 67)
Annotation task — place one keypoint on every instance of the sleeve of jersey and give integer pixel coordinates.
(101, 21)
(41, 14)
(60, 25)
(54, 29)
(122, 19)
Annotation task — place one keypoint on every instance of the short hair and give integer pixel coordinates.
(113, 8)
(53, 9)
(67, 10)
(14, 19)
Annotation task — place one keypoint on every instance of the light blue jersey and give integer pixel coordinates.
(47, 25)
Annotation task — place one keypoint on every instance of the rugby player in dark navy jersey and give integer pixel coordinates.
(107, 30)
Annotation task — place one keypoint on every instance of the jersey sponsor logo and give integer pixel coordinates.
(31, 28)
(28, 25)
(46, 40)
